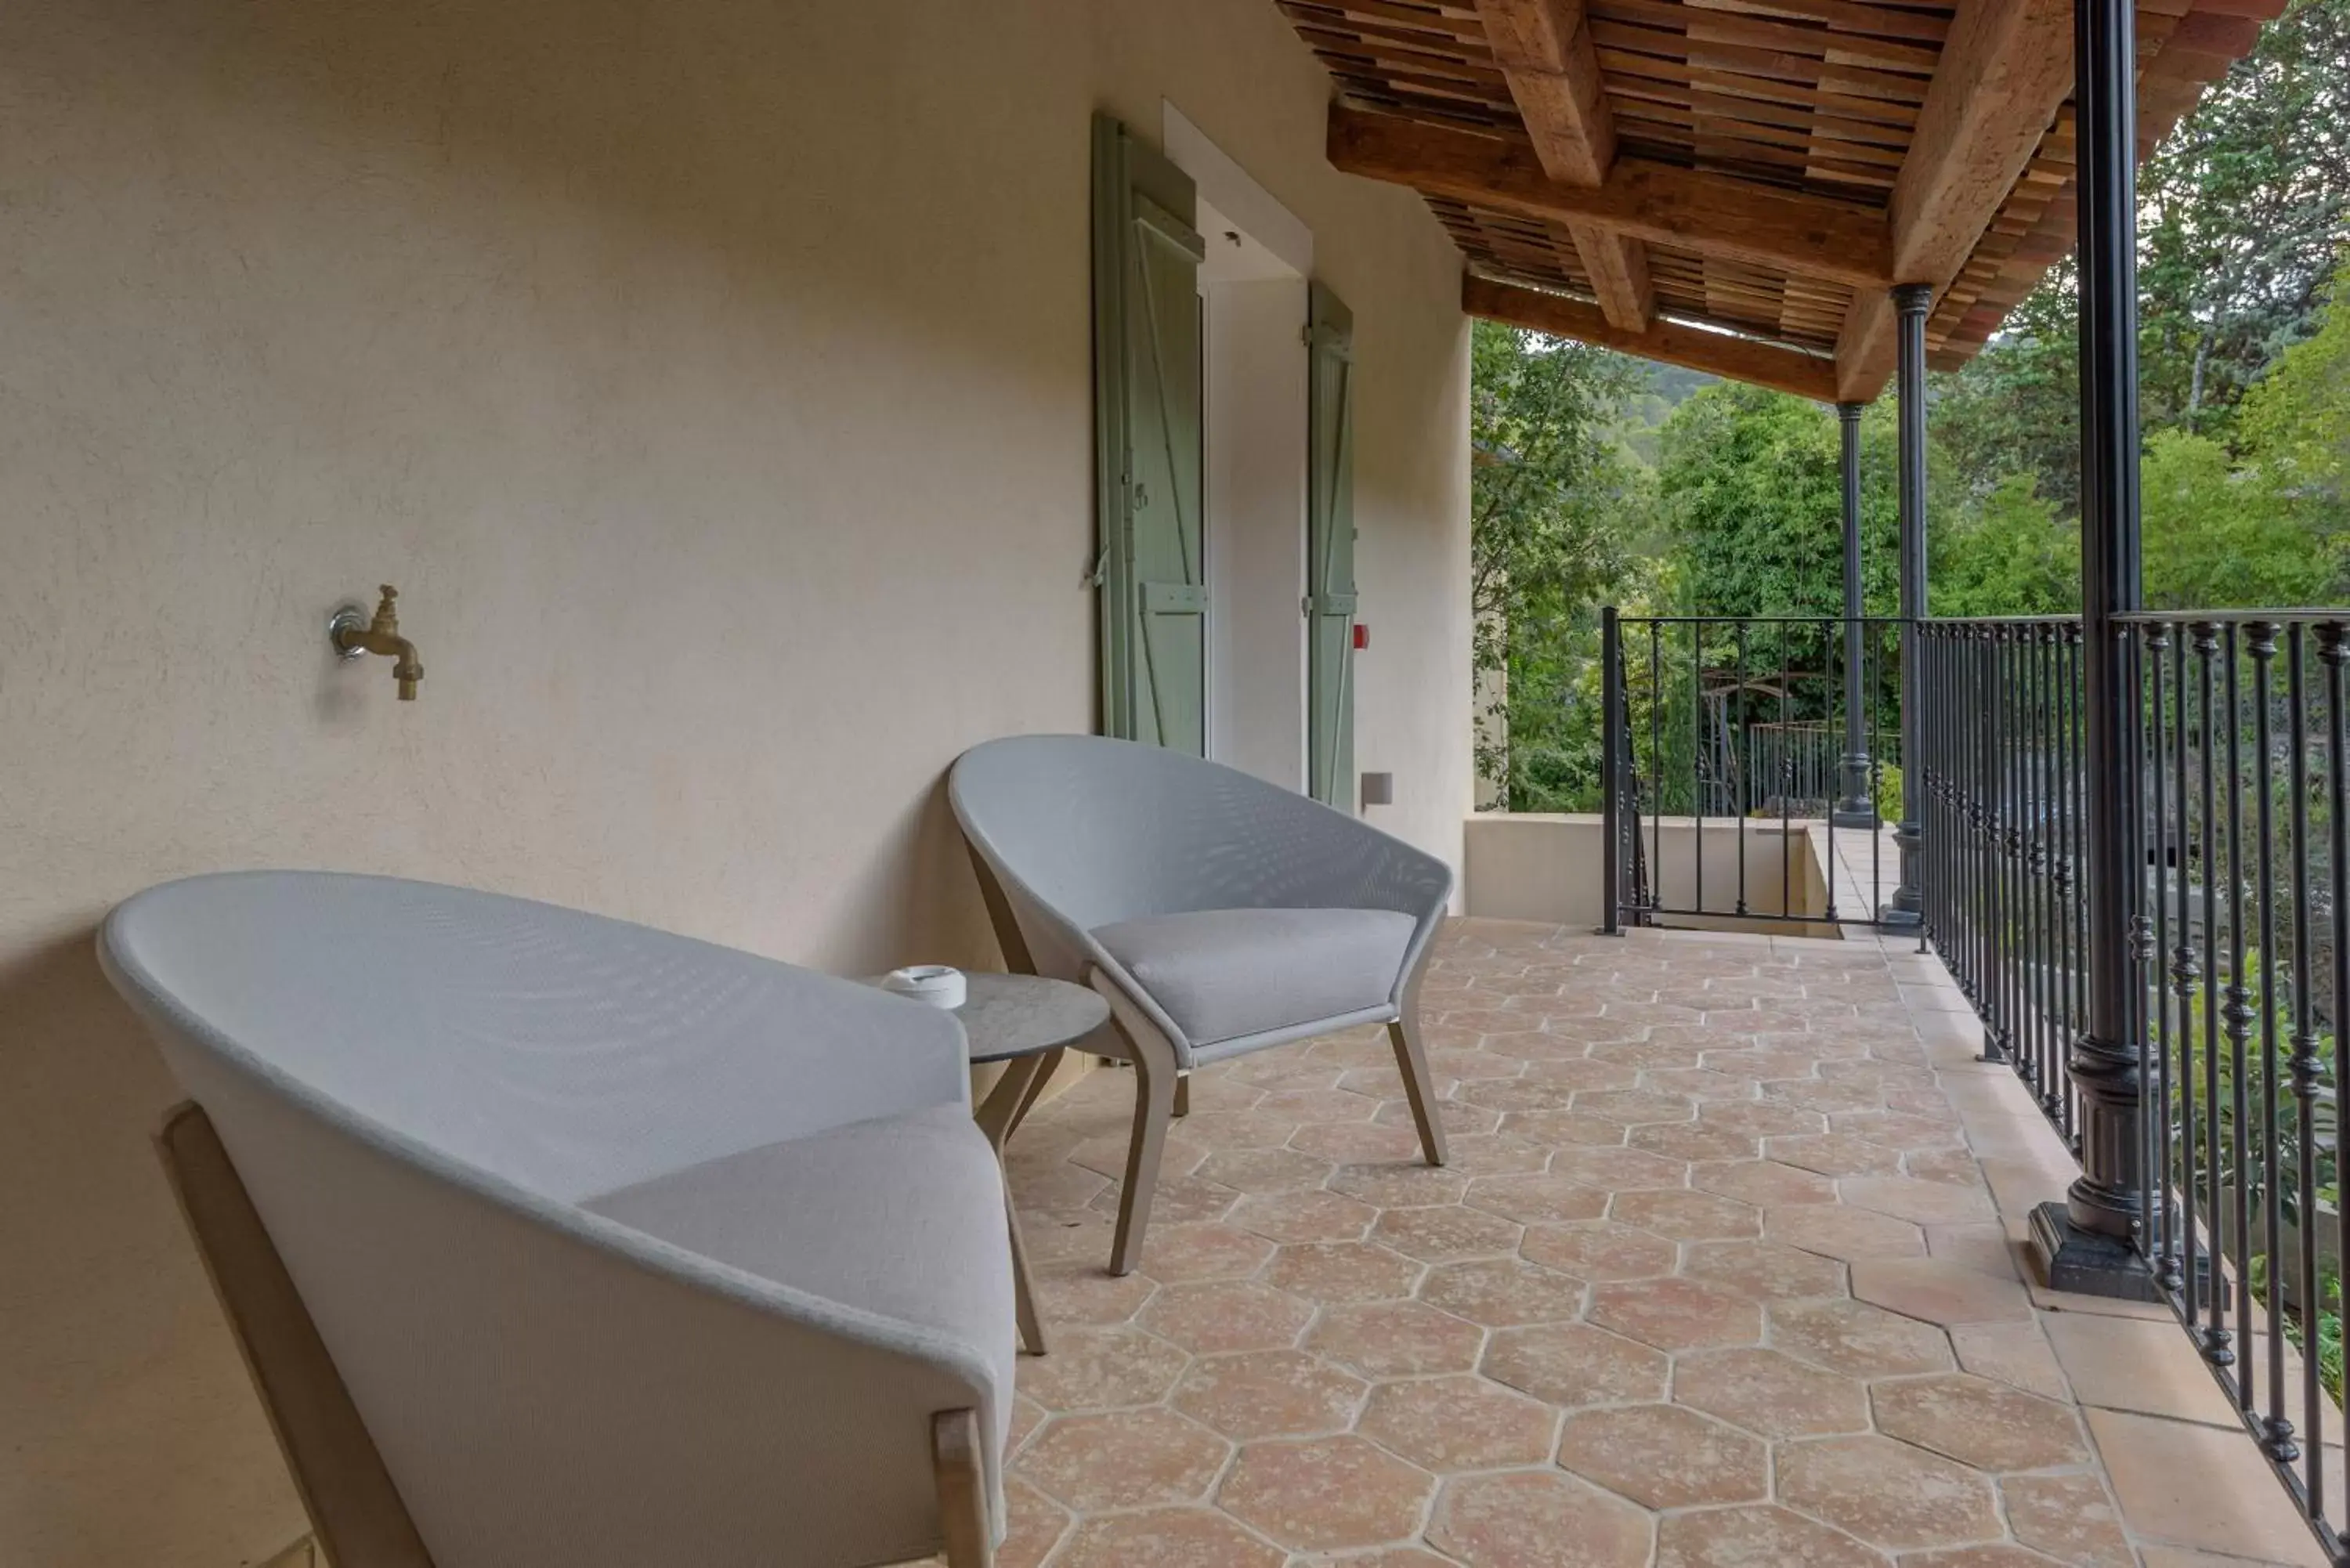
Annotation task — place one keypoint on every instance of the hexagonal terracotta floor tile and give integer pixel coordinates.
(1401, 1185)
(1267, 1393)
(1771, 1393)
(1980, 1423)
(1764, 1183)
(1583, 1073)
(1896, 1129)
(1355, 1143)
(1536, 1199)
(1174, 1254)
(1923, 1203)
(1179, 1200)
(1326, 1494)
(1264, 1169)
(1998, 1554)
(1760, 1537)
(1498, 1154)
(1223, 1317)
(1396, 1339)
(2017, 1354)
(1772, 1116)
(1082, 1293)
(1933, 1291)
(1618, 1169)
(1302, 1105)
(1166, 1538)
(1676, 1313)
(1557, 1129)
(1502, 1293)
(1834, 1154)
(1694, 1141)
(1661, 1456)
(1834, 1230)
(1858, 1340)
(1605, 1250)
(2070, 1518)
(1034, 1525)
(1681, 1215)
(1458, 1424)
(1446, 1235)
(1886, 1492)
(1132, 1459)
(1635, 1107)
(1954, 1166)
(1342, 1272)
(1573, 1363)
(1534, 1519)
(1303, 1215)
(1101, 1368)
(1767, 1271)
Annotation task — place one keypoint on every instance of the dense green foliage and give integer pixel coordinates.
(1558, 510)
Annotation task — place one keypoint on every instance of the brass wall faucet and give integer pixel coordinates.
(354, 637)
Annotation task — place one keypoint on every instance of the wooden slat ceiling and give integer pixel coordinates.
(1820, 100)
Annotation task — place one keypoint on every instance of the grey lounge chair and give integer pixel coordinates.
(1218, 914)
(552, 1239)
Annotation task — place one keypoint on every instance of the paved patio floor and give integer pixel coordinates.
(1724, 1274)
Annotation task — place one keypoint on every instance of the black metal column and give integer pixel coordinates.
(1910, 301)
(1611, 779)
(1853, 808)
(2086, 1242)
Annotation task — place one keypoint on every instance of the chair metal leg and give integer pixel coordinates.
(1156, 1075)
(962, 1489)
(1183, 1095)
(1418, 1086)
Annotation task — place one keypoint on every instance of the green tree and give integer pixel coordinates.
(2010, 554)
(2214, 537)
(1557, 511)
(1750, 494)
(2295, 426)
(2241, 209)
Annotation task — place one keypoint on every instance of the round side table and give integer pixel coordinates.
(1026, 1022)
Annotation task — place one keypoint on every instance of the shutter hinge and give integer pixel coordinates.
(1100, 569)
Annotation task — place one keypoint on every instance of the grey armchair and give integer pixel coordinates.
(1218, 914)
(552, 1239)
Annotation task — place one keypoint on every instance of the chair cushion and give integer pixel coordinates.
(1224, 974)
(902, 1216)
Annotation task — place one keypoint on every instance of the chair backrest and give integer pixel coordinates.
(1102, 830)
(416, 1085)
(561, 1051)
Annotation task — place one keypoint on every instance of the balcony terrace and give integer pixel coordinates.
(1728, 1269)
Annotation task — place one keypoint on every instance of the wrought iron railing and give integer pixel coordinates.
(2233, 773)
(1730, 737)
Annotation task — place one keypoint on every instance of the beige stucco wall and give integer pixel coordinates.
(1544, 865)
(713, 377)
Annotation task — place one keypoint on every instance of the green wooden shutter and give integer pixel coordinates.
(1147, 416)
(1330, 553)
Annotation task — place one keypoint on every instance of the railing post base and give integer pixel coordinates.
(1855, 809)
(2085, 1262)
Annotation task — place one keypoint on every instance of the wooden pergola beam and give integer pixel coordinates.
(1658, 202)
(1545, 53)
(1692, 348)
(2005, 70)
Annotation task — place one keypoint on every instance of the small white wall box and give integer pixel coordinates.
(1378, 789)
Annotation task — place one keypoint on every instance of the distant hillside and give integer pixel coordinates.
(1669, 386)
